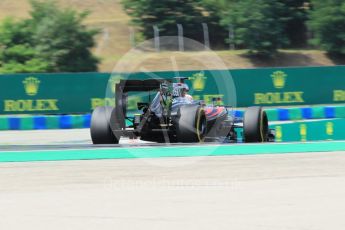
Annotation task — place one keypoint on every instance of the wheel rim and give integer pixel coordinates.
(201, 125)
(264, 126)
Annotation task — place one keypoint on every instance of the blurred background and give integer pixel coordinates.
(56, 36)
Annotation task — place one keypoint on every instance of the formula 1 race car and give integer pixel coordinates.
(173, 116)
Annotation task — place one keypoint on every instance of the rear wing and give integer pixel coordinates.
(125, 86)
(121, 94)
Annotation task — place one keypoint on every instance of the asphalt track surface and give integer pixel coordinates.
(264, 191)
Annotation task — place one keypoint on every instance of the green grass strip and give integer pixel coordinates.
(157, 152)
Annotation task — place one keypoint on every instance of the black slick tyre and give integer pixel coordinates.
(191, 124)
(255, 125)
(101, 132)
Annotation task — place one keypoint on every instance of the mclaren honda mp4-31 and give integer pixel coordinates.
(173, 116)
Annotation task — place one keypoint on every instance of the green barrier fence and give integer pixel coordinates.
(266, 86)
(311, 131)
(82, 92)
(321, 130)
(51, 93)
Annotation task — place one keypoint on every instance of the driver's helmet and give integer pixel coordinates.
(164, 87)
(179, 88)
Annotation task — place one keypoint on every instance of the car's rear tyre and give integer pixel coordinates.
(101, 132)
(191, 124)
(255, 125)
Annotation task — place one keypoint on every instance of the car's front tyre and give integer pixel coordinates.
(255, 125)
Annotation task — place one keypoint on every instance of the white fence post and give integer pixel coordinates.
(206, 36)
(231, 37)
(103, 42)
(156, 38)
(132, 37)
(180, 37)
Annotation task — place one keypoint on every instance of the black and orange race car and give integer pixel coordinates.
(173, 116)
